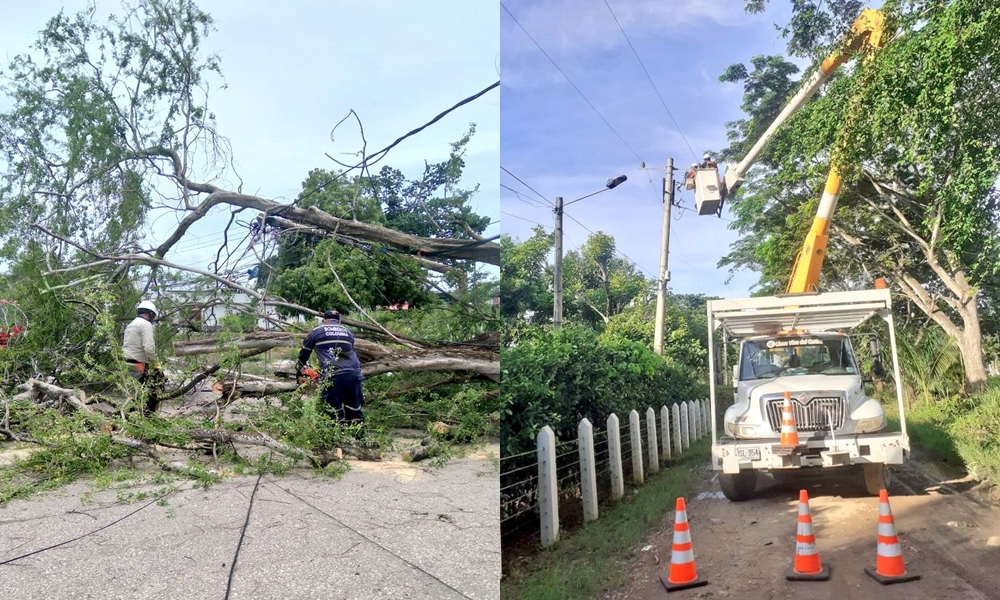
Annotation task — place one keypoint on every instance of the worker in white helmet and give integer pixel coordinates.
(139, 347)
(689, 176)
(707, 162)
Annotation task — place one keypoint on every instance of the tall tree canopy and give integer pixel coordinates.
(915, 127)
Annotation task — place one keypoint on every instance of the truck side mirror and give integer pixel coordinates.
(877, 370)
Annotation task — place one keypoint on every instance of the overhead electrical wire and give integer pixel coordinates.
(519, 180)
(658, 95)
(521, 197)
(617, 251)
(578, 91)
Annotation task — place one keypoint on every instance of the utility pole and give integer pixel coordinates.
(557, 286)
(661, 287)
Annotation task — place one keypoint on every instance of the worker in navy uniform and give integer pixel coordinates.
(340, 369)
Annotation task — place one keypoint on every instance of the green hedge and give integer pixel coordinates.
(556, 377)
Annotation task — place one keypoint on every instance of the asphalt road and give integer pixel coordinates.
(386, 530)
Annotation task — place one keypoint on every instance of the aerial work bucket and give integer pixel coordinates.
(707, 191)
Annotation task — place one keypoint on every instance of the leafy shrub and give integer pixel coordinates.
(557, 377)
(976, 433)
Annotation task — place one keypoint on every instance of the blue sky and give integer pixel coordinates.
(293, 69)
(556, 143)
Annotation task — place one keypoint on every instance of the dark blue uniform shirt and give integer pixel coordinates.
(334, 345)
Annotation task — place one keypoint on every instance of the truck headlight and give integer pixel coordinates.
(870, 424)
(742, 431)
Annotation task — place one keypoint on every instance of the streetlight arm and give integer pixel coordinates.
(587, 196)
(610, 185)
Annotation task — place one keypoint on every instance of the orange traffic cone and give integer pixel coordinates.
(807, 566)
(789, 434)
(683, 574)
(889, 567)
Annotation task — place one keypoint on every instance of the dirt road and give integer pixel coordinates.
(949, 532)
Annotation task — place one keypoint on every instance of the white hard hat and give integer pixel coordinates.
(694, 165)
(146, 304)
(707, 155)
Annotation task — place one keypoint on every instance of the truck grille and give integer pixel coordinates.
(814, 416)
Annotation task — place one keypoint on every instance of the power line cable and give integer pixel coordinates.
(101, 528)
(523, 219)
(243, 532)
(521, 197)
(371, 540)
(519, 180)
(617, 251)
(658, 95)
(585, 99)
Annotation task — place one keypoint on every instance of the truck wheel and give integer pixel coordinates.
(740, 486)
(877, 478)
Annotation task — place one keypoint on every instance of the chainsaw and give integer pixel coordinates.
(309, 372)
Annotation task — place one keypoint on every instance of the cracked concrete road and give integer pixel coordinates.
(386, 530)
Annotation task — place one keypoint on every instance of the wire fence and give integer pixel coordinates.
(520, 513)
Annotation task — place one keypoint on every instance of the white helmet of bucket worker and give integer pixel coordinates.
(147, 305)
(707, 156)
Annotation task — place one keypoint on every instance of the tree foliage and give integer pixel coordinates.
(914, 128)
(100, 112)
(525, 278)
(597, 283)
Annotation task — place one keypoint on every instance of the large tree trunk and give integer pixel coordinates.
(968, 335)
(970, 342)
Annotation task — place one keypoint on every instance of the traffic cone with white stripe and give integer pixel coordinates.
(683, 574)
(807, 565)
(889, 567)
(789, 433)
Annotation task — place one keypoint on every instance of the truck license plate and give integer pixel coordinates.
(748, 453)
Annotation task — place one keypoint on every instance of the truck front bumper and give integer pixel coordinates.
(732, 456)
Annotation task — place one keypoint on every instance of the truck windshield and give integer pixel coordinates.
(798, 355)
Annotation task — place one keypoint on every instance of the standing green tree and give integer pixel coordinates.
(525, 280)
(597, 283)
(917, 133)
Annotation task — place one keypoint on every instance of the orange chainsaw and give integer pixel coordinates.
(311, 373)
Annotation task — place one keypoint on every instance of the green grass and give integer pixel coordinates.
(960, 431)
(593, 559)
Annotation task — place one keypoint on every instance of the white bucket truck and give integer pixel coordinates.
(800, 344)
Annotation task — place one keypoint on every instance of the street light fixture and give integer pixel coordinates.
(557, 288)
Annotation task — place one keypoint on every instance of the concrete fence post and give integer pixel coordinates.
(675, 412)
(548, 492)
(685, 425)
(615, 458)
(696, 429)
(707, 414)
(665, 430)
(701, 419)
(635, 436)
(588, 471)
(654, 453)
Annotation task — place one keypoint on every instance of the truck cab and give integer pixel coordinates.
(800, 345)
(819, 370)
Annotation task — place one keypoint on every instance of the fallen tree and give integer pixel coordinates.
(376, 358)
